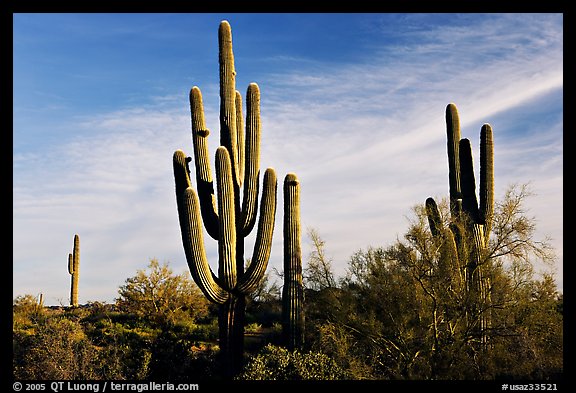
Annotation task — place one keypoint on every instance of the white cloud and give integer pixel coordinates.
(367, 141)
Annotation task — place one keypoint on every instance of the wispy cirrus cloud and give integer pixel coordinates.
(365, 137)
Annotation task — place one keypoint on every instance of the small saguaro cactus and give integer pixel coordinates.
(40, 301)
(74, 270)
(227, 217)
(293, 290)
(465, 242)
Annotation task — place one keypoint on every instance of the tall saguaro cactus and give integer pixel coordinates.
(465, 241)
(74, 270)
(227, 217)
(293, 290)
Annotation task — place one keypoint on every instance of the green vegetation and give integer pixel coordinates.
(159, 327)
(278, 363)
(394, 315)
(398, 315)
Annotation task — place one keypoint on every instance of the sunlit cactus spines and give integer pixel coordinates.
(465, 242)
(293, 289)
(227, 209)
(74, 270)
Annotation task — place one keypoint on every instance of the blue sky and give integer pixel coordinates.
(352, 103)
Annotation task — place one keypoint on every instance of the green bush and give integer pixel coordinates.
(277, 363)
(56, 348)
(205, 332)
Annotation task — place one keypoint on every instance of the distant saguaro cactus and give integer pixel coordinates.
(74, 270)
(231, 219)
(293, 290)
(40, 301)
(465, 242)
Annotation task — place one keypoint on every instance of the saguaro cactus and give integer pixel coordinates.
(465, 241)
(226, 217)
(293, 290)
(40, 304)
(74, 270)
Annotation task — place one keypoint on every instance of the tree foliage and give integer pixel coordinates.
(278, 363)
(403, 311)
(159, 328)
(318, 274)
(161, 296)
(57, 348)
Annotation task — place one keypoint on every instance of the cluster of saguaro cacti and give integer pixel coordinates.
(74, 270)
(226, 216)
(293, 289)
(464, 243)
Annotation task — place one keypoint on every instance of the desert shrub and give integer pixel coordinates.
(277, 363)
(58, 349)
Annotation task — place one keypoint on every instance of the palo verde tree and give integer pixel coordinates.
(160, 296)
(406, 313)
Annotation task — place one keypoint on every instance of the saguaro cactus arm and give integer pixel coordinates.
(226, 212)
(434, 220)
(195, 252)
(202, 162)
(446, 241)
(453, 140)
(191, 230)
(240, 137)
(251, 158)
(228, 137)
(486, 179)
(467, 181)
(70, 264)
(259, 262)
(480, 213)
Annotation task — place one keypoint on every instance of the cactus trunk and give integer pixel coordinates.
(231, 320)
(293, 290)
(74, 270)
(226, 216)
